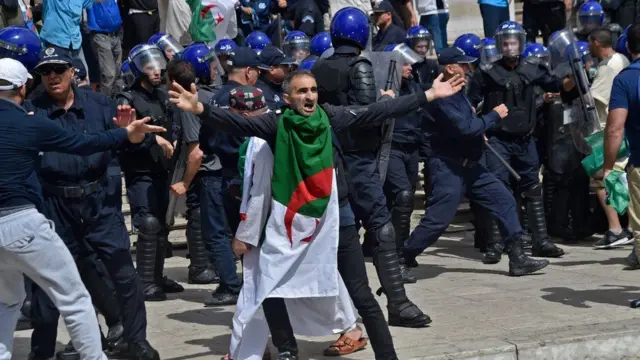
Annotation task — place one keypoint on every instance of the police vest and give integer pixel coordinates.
(334, 84)
(162, 113)
(514, 89)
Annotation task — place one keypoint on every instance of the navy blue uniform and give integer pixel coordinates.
(272, 93)
(455, 136)
(79, 198)
(402, 170)
(211, 185)
(394, 34)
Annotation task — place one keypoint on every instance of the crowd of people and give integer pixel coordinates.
(282, 144)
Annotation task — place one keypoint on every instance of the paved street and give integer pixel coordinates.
(477, 310)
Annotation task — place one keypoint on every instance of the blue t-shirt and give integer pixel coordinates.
(624, 95)
(61, 25)
(498, 3)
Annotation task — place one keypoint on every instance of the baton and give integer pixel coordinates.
(503, 161)
(387, 129)
(390, 73)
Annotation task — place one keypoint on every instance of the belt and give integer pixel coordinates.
(464, 162)
(74, 192)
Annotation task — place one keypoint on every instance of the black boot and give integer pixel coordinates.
(402, 312)
(142, 350)
(495, 245)
(401, 220)
(527, 238)
(481, 234)
(24, 321)
(69, 353)
(542, 245)
(519, 263)
(146, 250)
(200, 270)
(168, 286)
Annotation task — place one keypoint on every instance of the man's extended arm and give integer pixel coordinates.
(262, 126)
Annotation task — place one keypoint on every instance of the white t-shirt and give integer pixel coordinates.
(603, 82)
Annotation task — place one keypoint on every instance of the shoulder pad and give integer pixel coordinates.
(124, 98)
(358, 59)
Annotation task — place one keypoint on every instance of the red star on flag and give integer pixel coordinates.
(219, 18)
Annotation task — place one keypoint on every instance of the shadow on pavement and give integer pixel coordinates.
(609, 294)
(205, 316)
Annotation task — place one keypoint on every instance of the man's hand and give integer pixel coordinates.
(502, 110)
(137, 129)
(443, 89)
(179, 188)
(247, 10)
(186, 100)
(388, 93)
(239, 247)
(549, 97)
(29, 14)
(166, 146)
(125, 115)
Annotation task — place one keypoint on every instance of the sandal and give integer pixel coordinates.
(344, 346)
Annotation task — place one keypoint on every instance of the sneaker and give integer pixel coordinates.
(610, 240)
(221, 297)
(629, 239)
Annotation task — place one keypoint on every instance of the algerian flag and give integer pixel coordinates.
(303, 176)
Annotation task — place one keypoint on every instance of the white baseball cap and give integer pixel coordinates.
(14, 72)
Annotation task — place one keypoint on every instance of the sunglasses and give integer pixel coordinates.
(47, 70)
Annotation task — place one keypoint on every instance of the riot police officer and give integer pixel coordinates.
(512, 82)
(206, 66)
(470, 44)
(257, 41)
(402, 171)
(270, 81)
(146, 169)
(296, 45)
(590, 17)
(419, 39)
(320, 43)
(346, 78)
(86, 216)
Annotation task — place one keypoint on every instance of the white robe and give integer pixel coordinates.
(305, 275)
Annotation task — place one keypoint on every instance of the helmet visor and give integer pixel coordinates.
(410, 57)
(170, 46)
(149, 59)
(297, 49)
(510, 43)
(489, 54)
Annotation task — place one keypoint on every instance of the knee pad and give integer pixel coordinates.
(386, 236)
(150, 225)
(533, 191)
(404, 200)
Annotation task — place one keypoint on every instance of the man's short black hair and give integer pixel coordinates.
(602, 35)
(182, 72)
(633, 39)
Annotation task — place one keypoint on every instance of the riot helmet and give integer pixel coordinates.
(350, 24)
(488, 51)
(419, 39)
(257, 41)
(307, 64)
(409, 56)
(168, 44)
(147, 61)
(621, 46)
(537, 53)
(204, 61)
(470, 44)
(580, 49)
(21, 44)
(296, 45)
(590, 16)
(127, 76)
(510, 38)
(320, 43)
(225, 47)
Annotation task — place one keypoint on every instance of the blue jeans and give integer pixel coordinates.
(214, 230)
(437, 26)
(492, 17)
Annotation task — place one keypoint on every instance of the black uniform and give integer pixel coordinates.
(394, 34)
(272, 93)
(495, 84)
(344, 79)
(425, 72)
(307, 17)
(146, 171)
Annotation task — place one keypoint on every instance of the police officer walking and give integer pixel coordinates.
(512, 82)
(146, 169)
(270, 81)
(345, 78)
(77, 200)
(455, 170)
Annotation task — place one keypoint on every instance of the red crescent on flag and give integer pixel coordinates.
(205, 10)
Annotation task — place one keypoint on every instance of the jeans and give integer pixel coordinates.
(492, 17)
(29, 246)
(437, 26)
(214, 232)
(108, 51)
(353, 273)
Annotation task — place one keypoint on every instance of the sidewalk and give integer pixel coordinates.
(578, 308)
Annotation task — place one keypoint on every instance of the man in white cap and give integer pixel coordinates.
(28, 244)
